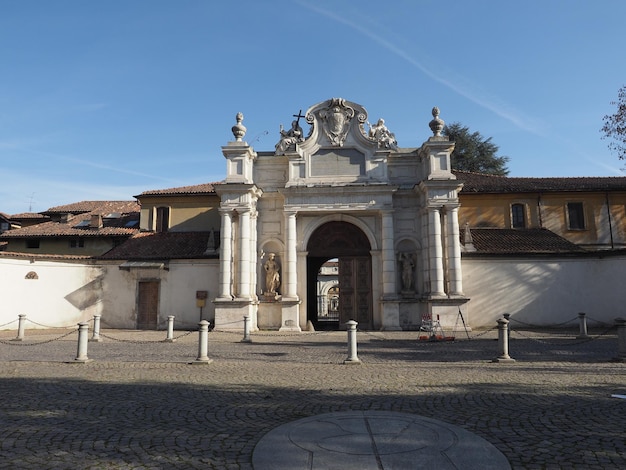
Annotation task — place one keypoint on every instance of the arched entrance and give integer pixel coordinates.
(348, 245)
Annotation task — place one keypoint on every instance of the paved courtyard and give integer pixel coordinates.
(140, 404)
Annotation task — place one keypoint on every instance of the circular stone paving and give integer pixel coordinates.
(374, 440)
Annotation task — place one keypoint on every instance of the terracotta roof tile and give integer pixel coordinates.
(58, 229)
(15, 254)
(162, 246)
(29, 216)
(95, 207)
(198, 189)
(519, 241)
(482, 183)
(124, 223)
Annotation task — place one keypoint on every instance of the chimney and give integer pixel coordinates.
(96, 221)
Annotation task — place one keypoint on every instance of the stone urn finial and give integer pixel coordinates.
(436, 125)
(239, 130)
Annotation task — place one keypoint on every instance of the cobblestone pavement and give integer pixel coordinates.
(140, 404)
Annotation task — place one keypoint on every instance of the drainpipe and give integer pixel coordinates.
(608, 211)
(539, 211)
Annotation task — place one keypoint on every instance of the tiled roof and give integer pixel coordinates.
(95, 207)
(37, 256)
(198, 189)
(78, 223)
(482, 183)
(519, 241)
(58, 229)
(29, 216)
(162, 246)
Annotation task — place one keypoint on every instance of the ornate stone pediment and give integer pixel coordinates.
(334, 121)
(338, 147)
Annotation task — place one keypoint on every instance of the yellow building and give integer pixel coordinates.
(589, 212)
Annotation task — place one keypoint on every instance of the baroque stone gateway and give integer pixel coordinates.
(344, 194)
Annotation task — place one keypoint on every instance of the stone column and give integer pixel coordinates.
(226, 255)
(435, 252)
(455, 274)
(388, 255)
(243, 282)
(290, 264)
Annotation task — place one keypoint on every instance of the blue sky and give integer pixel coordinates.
(104, 99)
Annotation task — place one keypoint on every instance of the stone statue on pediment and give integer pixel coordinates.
(288, 138)
(381, 134)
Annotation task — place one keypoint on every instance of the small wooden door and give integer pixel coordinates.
(355, 286)
(148, 305)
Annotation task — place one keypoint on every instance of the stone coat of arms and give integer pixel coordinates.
(336, 121)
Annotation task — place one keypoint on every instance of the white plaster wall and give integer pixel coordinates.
(544, 291)
(177, 295)
(537, 291)
(64, 294)
(67, 293)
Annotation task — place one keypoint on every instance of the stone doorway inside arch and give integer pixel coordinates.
(344, 248)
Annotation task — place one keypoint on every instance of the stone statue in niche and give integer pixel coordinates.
(381, 134)
(407, 265)
(272, 276)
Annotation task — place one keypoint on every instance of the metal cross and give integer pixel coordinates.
(298, 116)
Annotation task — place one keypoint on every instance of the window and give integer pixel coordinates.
(32, 243)
(575, 216)
(77, 243)
(4, 226)
(162, 219)
(518, 216)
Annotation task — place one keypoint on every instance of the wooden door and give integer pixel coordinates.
(148, 305)
(355, 287)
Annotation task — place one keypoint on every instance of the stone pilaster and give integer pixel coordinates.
(388, 256)
(455, 274)
(226, 256)
(435, 251)
(243, 276)
(290, 265)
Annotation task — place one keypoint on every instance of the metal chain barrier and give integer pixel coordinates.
(48, 327)
(545, 327)
(37, 343)
(136, 341)
(483, 333)
(280, 334)
(602, 323)
(6, 324)
(573, 343)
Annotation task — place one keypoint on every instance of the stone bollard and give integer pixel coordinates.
(246, 329)
(621, 340)
(96, 328)
(352, 346)
(503, 341)
(203, 344)
(170, 329)
(507, 317)
(582, 325)
(83, 341)
(20, 327)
